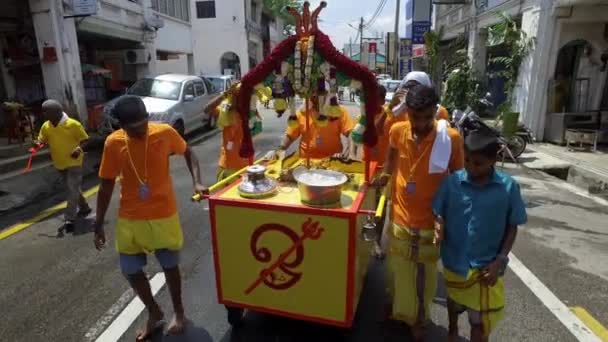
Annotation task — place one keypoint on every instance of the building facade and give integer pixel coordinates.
(48, 51)
(565, 72)
(231, 37)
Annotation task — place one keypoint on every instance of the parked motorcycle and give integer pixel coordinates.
(513, 147)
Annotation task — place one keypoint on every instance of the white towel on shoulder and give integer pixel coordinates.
(442, 149)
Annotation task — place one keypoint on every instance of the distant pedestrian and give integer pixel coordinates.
(351, 94)
(147, 219)
(477, 211)
(66, 139)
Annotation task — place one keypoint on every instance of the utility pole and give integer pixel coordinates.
(361, 40)
(350, 47)
(396, 64)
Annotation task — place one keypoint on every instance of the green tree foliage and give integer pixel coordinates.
(277, 8)
(517, 44)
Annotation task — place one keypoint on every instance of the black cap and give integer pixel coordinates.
(421, 97)
(482, 141)
(129, 109)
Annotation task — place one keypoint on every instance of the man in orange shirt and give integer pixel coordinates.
(321, 140)
(230, 160)
(378, 153)
(422, 153)
(147, 220)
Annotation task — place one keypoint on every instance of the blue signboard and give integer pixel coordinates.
(405, 66)
(419, 28)
(405, 48)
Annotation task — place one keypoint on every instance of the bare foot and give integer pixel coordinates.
(177, 326)
(155, 322)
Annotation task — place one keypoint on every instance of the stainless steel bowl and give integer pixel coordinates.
(320, 187)
(256, 185)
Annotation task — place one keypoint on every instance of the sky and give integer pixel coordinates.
(339, 13)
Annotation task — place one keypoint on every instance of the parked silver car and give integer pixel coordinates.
(221, 83)
(177, 100)
(391, 87)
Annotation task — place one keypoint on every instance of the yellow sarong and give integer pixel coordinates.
(224, 173)
(411, 273)
(147, 236)
(486, 302)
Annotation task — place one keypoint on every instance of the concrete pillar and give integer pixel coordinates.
(148, 69)
(63, 77)
(191, 70)
(542, 66)
(7, 80)
(477, 51)
(148, 43)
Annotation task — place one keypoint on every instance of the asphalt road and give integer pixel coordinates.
(62, 289)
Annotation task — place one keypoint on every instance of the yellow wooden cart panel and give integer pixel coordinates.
(279, 256)
(319, 278)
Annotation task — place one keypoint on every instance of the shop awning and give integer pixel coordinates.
(95, 70)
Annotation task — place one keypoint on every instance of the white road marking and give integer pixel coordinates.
(557, 308)
(122, 323)
(104, 321)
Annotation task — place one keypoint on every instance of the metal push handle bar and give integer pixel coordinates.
(381, 204)
(222, 183)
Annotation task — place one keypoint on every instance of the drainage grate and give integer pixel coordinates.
(560, 172)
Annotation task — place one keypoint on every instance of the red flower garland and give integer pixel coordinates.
(256, 76)
(357, 72)
(324, 46)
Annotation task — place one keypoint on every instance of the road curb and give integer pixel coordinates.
(589, 179)
(206, 136)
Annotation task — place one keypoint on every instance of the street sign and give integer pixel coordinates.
(405, 66)
(419, 28)
(418, 50)
(373, 47)
(405, 50)
(84, 7)
(405, 57)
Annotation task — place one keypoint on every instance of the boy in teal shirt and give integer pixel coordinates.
(477, 212)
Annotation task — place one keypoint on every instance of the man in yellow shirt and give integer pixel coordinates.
(320, 140)
(66, 139)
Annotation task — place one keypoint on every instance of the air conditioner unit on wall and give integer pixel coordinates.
(137, 56)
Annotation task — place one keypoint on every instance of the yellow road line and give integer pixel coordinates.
(591, 323)
(42, 215)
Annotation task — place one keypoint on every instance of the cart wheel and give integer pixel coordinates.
(235, 316)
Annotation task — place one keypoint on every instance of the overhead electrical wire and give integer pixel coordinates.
(380, 4)
(376, 15)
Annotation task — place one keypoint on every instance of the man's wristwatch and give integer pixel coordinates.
(504, 261)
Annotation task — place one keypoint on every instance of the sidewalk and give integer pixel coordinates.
(19, 189)
(588, 170)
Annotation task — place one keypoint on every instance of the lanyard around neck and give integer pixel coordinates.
(139, 179)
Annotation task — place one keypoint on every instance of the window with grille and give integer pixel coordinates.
(174, 8)
(205, 9)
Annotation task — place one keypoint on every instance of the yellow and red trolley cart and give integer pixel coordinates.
(279, 256)
(275, 254)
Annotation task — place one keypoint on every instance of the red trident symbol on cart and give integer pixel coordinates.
(280, 275)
